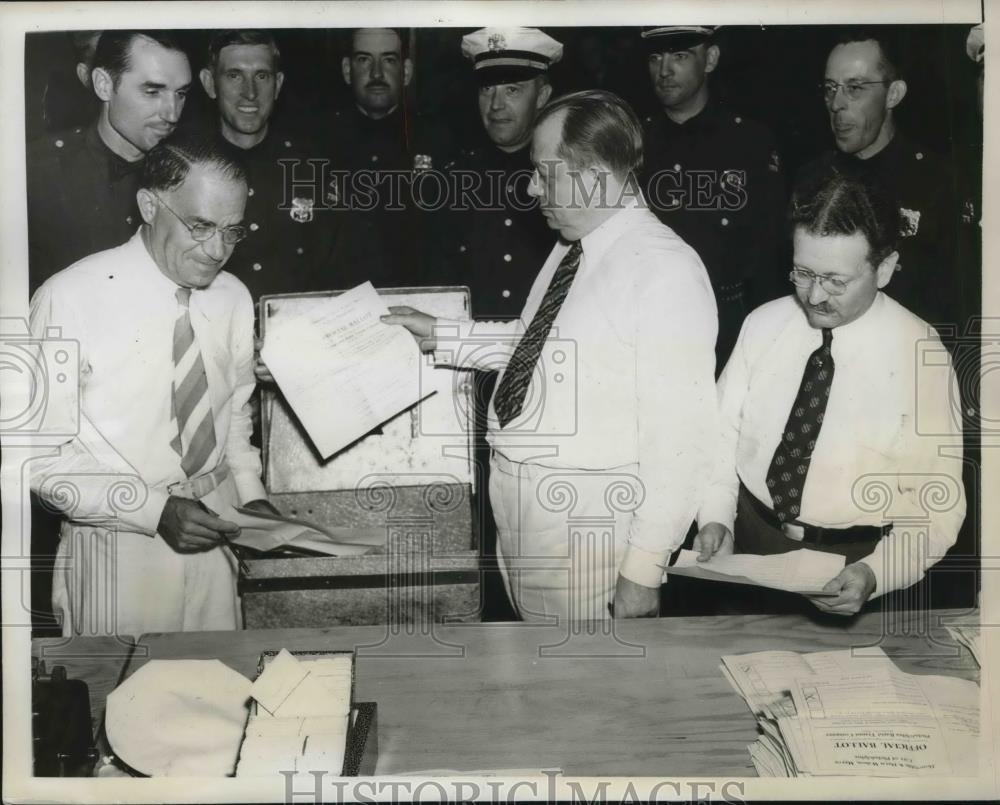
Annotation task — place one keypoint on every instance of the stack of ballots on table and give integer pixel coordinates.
(853, 712)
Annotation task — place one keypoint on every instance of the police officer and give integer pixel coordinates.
(373, 155)
(862, 87)
(712, 175)
(291, 235)
(82, 182)
(497, 238)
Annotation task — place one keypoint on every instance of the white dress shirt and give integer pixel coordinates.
(121, 309)
(626, 376)
(890, 446)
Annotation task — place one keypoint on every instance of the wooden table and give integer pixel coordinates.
(648, 700)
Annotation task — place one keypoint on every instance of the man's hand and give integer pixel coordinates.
(420, 325)
(260, 369)
(188, 527)
(262, 505)
(636, 601)
(712, 539)
(854, 585)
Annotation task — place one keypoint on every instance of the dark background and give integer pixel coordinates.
(768, 73)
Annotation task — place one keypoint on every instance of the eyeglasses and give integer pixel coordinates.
(852, 89)
(204, 231)
(802, 278)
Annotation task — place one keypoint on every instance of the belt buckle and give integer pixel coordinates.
(794, 531)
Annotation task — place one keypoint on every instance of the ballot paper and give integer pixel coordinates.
(300, 719)
(853, 712)
(341, 369)
(803, 571)
(265, 532)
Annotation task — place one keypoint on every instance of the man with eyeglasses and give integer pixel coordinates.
(291, 236)
(165, 341)
(836, 408)
(86, 178)
(862, 88)
(712, 175)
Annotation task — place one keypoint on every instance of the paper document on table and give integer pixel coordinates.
(884, 723)
(268, 532)
(342, 370)
(764, 678)
(802, 571)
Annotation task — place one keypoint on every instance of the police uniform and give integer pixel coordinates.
(927, 281)
(496, 252)
(81, 200)
(716, 180)
(291, 234)
(378, 243)
(497, 245)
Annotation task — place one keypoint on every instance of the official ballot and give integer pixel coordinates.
(853, 712)
(341, 369)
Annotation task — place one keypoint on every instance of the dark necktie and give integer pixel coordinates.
(192, 408)
(786, 476)
(509, 399)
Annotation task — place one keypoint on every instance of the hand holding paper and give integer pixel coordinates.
(803, 571)
(342, 370)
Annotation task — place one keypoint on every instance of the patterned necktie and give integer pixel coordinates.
(786, 476)
(509, 399)
(192, 408)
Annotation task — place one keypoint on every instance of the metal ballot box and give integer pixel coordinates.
(412, 476)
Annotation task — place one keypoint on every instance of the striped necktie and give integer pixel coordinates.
(509, 399)
(192, 408)
(786, 477)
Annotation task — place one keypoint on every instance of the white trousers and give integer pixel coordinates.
(560, 537)
(116, 582)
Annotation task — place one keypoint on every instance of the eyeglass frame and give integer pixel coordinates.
(215, 227)
(822, 279)
(830, 88)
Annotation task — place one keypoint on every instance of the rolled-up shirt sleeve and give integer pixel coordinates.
(675, 329)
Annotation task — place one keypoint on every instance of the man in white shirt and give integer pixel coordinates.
(604, 418)
(837, 426)
(166, 368)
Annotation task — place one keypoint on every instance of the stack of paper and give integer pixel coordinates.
(854, 713)
(299, 722)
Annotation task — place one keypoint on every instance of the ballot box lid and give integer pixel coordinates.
(428, 444)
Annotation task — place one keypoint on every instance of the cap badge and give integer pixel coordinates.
(302, 210)
(497, 42)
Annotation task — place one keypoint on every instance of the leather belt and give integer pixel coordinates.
(199, 486)
(813, 534)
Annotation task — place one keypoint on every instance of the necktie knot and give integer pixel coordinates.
(183, 296)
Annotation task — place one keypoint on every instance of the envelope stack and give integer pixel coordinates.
(853, 712)
(299, 719)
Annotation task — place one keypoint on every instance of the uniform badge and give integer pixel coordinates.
(422, 162)
(910, 222)
(774, 165)
(302, 210)
(497, 42)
